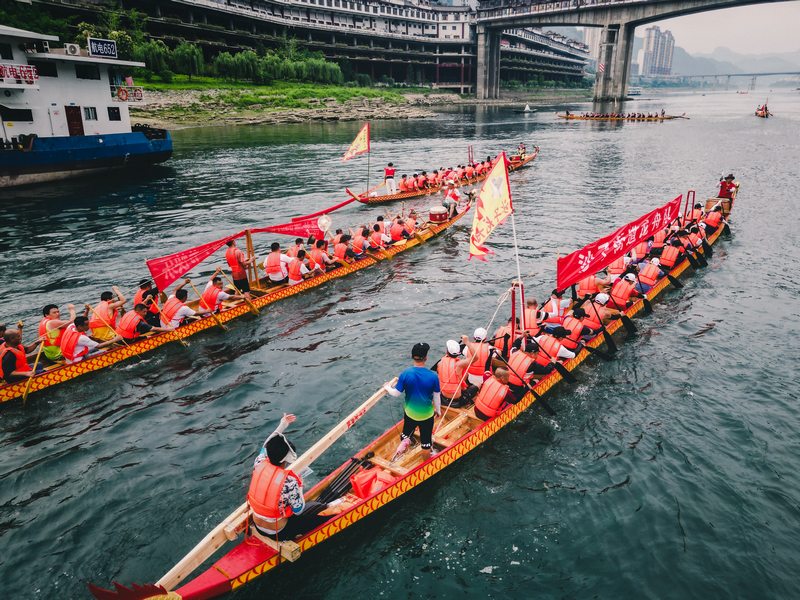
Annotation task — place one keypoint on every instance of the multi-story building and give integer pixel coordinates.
(418, 41)
(655, 57)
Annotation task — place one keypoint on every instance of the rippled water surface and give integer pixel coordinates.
(671, 472)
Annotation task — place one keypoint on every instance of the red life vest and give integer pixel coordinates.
(389, 172)
(47, 336)
(139, 299)
(295, 270)
(478, 365)
(401, 185)
(68, 343)
(339, 250)
(575, 327)
(266, 486)
(292, 252)
(410, 226)
(649, 274)
(317, 255)
(695, 240)
(19, 354)
(209, 298)
(337, 238)
(518, 363)
(232, 256)
(376, 237)
(659, 237)
(620, 293)
(421, 181)
(500, 340)
(641, 249)
(171, 306)
(592, 319)
(469, 171)
(670, 256)
(491, 397)
(530, 319)
(694, 215)
(725, 189)
(587, 286)
(396, 232)
(274, 264)
(713, 219)
(617, 267)
(551, 346)
(450, 379)
(359, 242)
(555, 312)
(103, 316)
(127, 325)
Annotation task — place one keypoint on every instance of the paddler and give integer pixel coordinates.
(421, 387)
(13, 359)
(377, 238)
(451, 370)
(713, 220)
(76, 345)
(494, 396)
(522, 368)
(479, 356)
(622, 291)
(213, 296)
(600, 305)
(649, 274)
(51, 328)
(133, 325)
(388, 178)
(103, 317)
(175, 313)
(147, 294)
(319, 259)
(276, 496)
(555, 309)
(551, 348)
(293, 250)
(397, 231)
(403, 184)
(276, 264)
(298, 271)
(238, 264)
(343, 252)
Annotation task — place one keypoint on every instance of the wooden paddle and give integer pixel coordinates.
(30, 379)
(568, 377)
(183, 342)
(252, 306)
(212, 313)
(237, 520)
(106, 323)
(673, 280)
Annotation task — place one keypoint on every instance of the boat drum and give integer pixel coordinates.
(438, 214)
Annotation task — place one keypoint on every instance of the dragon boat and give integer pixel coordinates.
(515, 163)
(262, 295)
(608, 118)
(456, 433)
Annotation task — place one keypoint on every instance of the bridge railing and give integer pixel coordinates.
(496, 9)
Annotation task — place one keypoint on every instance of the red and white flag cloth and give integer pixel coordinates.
(360, 145)
(299, 228)
(596, 256)
(601, 68)
(168, 269)
(493, 207)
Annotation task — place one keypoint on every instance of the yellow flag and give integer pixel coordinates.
(360, 145)
(494, 205)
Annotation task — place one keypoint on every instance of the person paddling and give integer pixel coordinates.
(13, 359)
(276, 264)
(452, 380)
(494, 396)
(175, 312)
(275, 495)
(51, 328)
(76, 345)
(423, 400)
(134, 325)
(104, 315)
(147, 294)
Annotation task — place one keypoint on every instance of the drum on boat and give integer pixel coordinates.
(438, 214)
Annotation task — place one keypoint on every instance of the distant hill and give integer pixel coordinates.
(755, 63)
(684, 63)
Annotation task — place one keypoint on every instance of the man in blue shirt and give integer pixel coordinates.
(421, 387)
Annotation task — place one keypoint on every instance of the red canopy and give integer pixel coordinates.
(596, 256)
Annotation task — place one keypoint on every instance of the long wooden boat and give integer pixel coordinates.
(261, 297)
(458, 432)
(515, 163)
(588, 118)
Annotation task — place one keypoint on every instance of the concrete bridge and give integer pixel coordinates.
(618, 18)
(727, 77)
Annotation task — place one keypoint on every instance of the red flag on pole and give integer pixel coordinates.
(596, 256)
(360, 144)
(493, 207)
(167, 269)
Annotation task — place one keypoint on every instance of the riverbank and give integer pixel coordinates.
(199, 103)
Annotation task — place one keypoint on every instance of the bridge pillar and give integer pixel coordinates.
(608, 43)
(481, 77)
(487, 79)
(616, 48)
(622, 62)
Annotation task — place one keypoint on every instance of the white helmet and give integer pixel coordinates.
(655, 261)
(479, 334)
(601, 298)
(453, 347)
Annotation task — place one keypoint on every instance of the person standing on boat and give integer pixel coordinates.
(238, 265)
(423, 400)
(451, 199)
(277, 264)
(276, 495)
(726, 186)
(388, 178)
(51, 328)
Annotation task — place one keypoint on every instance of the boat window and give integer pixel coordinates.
(113, 113)
(15, 114)
(90, 113)
(87, 71)
(46, 68)
(5, 52)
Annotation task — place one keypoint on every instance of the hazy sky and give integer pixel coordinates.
(757, 29)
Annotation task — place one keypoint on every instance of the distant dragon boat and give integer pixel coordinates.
(262, 296)
(515, 163)
(764, 114)
(456, 433)
(608, 118)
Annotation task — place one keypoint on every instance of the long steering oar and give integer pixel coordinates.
(30, 379)
(237, 520)
(610, 343)
(538, 397)
(211, 312)
(252, 306)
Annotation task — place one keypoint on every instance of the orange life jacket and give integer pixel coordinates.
(232, 255)
(500, 340)
(127, 325)
(266, 486)
(295, 270)
(694, 215)
(139, 299)
(659, 237)
(410, 226)
(695, 239)
(649, 274)
(550, 346)
(171, 306)
(396, 232)
(587, 286)
(339, 250)
(376, 239)
(592, 320)
(401, 185)
(209, 298)
(359, 244)
(617, 267)
(491, 397)
(19, 354)
(641, 249)
(621, 292)
(478, 365)
(103, 316)
(69, 341)
(317, 255)
(713, 219)
(469, 171)
(292, 252)
(575, 327)
(450, 377)
(530, 319)
(337, 238)
(518, 363)
(274, 264)
(670, 256)
(555, 312)
(49, 338)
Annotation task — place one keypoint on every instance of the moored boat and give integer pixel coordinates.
(457, 433)
(515, 163)
(262, 296)
(64, 112)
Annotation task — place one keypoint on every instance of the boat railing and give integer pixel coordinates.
(127, 93)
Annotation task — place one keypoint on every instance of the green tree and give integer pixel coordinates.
(86, 30)
(188, 59)
(124, 43)
(155, 54)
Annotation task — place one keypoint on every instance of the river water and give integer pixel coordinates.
(671, 472)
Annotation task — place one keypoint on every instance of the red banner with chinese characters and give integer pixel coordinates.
(493, 207)
(598, 255)
(302, 228)
(167, 269)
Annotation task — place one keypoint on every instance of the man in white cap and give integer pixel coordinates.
(622, 290)
(600, 304)
(649, 274)
(478, 356)
(452, 376)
